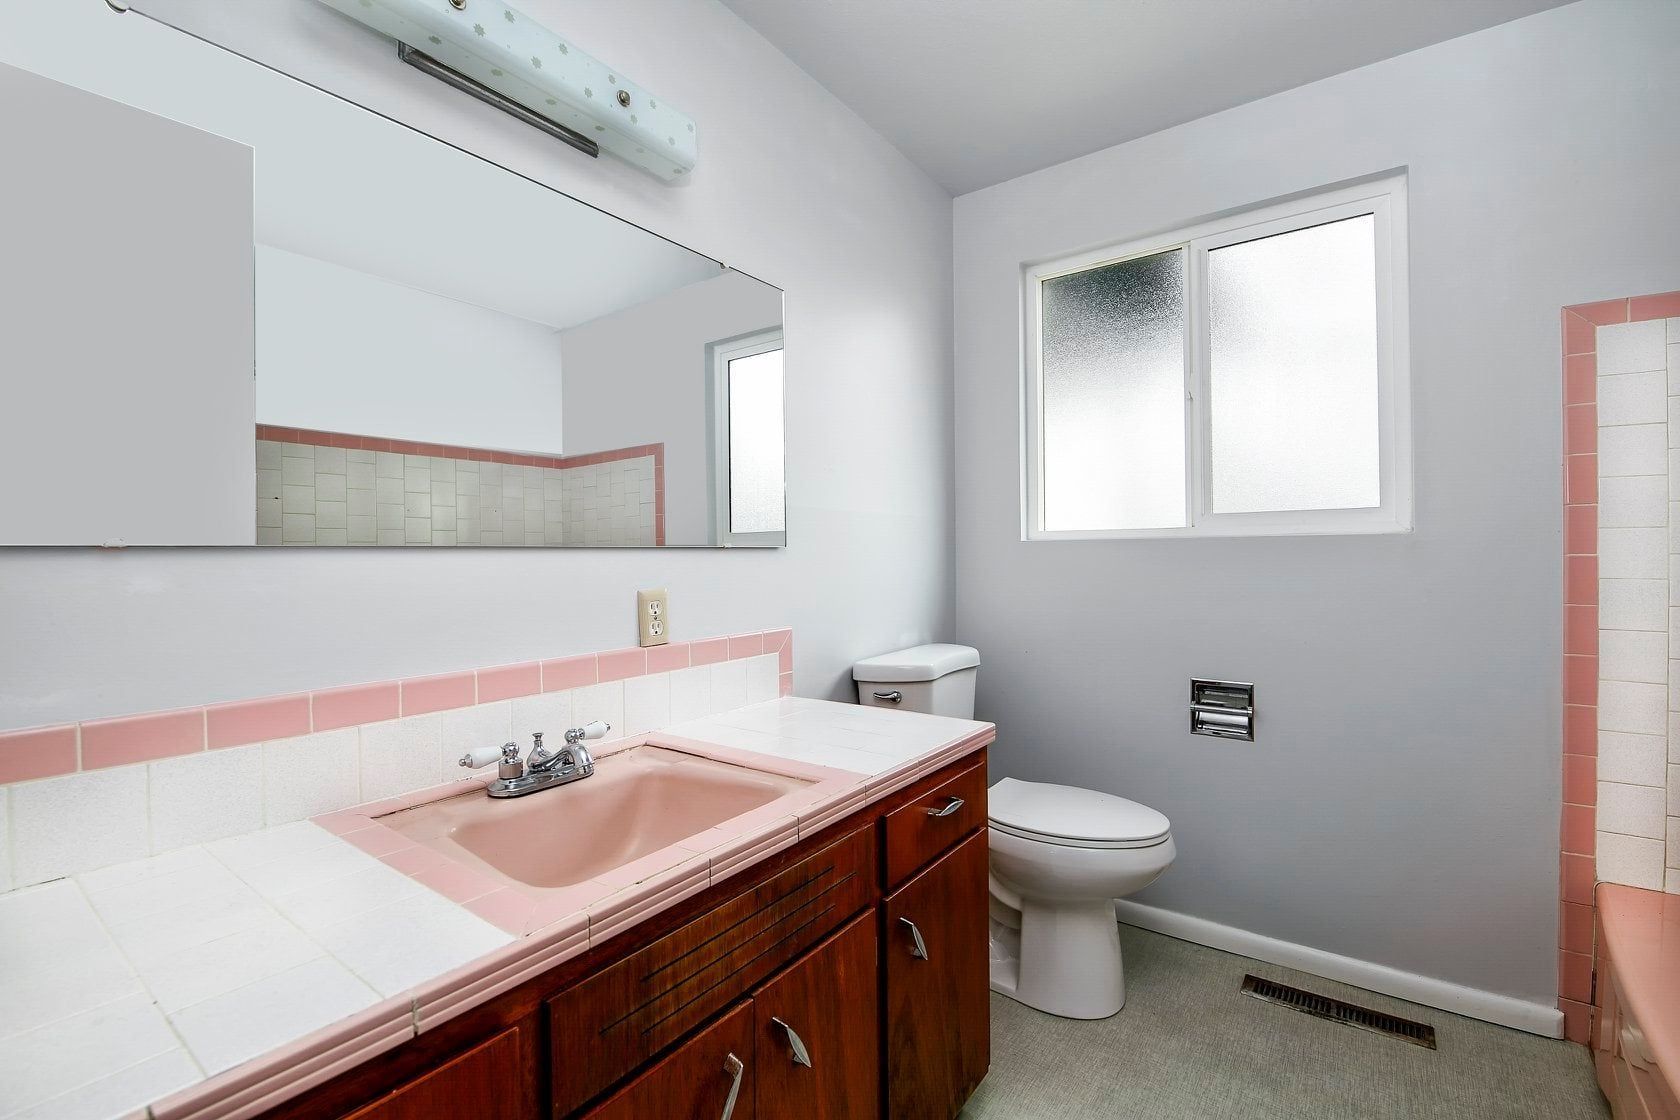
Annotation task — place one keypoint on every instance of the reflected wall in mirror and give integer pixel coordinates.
(444, 352)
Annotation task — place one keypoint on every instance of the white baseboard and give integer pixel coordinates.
(1535, 1018)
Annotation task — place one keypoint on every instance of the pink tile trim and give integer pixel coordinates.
(621, 663)
(130, 739)
(745, 645)
(435, 694)
(569, 672)
(1665, 306)
(457, 883)
(663, 659)
(359, 703)
(44, 752)
(708, 651)
(252, 721)
(507, 681)
(1577, 1021)
(276, 433)
(31, 753)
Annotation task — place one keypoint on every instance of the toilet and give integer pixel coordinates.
(1060, 855)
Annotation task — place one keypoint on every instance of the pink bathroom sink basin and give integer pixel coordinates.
(637, 802)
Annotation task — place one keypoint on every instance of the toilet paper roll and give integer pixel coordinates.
(481, 756)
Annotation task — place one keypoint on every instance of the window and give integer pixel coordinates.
(1246, 376)
(746, 403)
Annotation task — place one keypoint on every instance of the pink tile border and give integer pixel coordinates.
(28, 754)
(1579, 660)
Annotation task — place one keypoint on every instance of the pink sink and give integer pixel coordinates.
(638, 801)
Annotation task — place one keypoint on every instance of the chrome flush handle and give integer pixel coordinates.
(799, 1055)
(734, 1067)
(893, 697)
(919, 947)
(951, 806)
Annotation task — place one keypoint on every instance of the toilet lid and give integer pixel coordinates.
(1072, 815)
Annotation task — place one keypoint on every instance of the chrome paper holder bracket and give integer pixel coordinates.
(1223, 709)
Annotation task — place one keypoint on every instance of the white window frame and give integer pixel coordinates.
(1385, 200)
(719, 355)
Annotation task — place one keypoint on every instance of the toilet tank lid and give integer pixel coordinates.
(918, 663)
(1072, 813)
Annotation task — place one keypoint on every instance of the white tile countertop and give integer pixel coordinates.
(219, 979)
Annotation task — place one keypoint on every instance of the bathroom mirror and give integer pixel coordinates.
(260, 314)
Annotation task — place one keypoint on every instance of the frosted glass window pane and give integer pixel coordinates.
(755, 444)
(1113, 407)
(1293, 369)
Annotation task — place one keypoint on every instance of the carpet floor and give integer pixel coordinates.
(1190, 1046)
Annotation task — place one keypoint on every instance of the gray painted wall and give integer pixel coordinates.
(791, 187)
(1401, 804)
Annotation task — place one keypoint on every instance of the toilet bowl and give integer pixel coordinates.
(1060, 855)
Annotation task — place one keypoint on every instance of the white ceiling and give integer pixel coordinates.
(980, 91)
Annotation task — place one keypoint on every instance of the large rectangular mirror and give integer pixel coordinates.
(264, 315)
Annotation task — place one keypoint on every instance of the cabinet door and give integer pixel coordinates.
(488, 1082)
(818, 1032)
(938, 989)
(709, 1077)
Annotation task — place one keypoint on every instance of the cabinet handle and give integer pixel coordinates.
(919, 949)
(734, 1067)
(800, 1055)
(951, 805)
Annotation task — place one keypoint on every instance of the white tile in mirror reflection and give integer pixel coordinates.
(1633, 398)
(1632, 450)
(79, 821)
(205, 796)
(1638, 708)
(1631, 810)
(1633, 655)
(1633, 604)
(1624, 757)
(1632, 347)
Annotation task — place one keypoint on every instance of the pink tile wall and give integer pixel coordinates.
(46, 752)
(1576, 871)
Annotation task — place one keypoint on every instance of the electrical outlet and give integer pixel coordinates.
(653, 616)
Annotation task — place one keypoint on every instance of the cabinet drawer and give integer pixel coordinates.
(917, 832)
(614, 1021)
(707, 1077)
(487, 1082)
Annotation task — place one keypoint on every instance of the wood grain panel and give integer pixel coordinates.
(487, 1082)
(693, 1081)
(914, 835)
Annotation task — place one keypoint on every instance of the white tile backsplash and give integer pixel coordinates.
(549, 712)
(763, 678)
(310, 775)
(482, 725)
(401, 755)
(1633, 655)
(78, 822)
(1633, 449)
(647, 703)
(1631, 810)
(1635, 501)
(729, 685)
(1632, 347)
(1633, 553)
(1636, 861)
(1633, 398)
(1640, 759)
(1633, 604)
(691, 694)
(206, 796)
(1638, 708)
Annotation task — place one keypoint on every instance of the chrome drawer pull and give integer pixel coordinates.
(919, 950)
(800, 1055)
(893, 697)
(951, 806)
(734, 1067)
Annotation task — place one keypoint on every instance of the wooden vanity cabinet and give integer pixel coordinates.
(866, 939)
(937, 984)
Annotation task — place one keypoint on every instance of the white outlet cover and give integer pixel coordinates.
(653, 614)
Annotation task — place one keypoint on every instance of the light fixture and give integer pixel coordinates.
(500, 55)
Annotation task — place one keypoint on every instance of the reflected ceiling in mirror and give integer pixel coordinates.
(446, 353)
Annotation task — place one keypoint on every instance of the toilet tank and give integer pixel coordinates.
(936, 679)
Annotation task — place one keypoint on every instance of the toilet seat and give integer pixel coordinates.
(1070, 817)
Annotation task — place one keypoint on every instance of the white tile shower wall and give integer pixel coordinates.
(1639, 604)
(313, 495)
(79, 822)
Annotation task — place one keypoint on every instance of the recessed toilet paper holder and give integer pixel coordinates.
(1223, 709)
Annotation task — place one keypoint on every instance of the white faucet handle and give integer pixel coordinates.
(595, 729)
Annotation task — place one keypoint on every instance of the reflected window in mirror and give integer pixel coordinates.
(747, 471)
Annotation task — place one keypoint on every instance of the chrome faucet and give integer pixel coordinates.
(543, 767)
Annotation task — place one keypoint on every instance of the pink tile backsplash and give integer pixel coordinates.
(507, 681)
(618, 664)
(29, 754)
(44, 752)
(252, 721)
(434, 694)
(129, 739)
